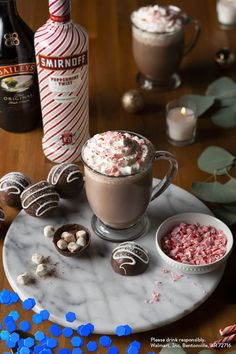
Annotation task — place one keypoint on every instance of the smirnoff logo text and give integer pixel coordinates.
(28, 68)
(62, 63)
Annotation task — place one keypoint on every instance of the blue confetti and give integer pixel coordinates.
(37, 318)
(68, 332)
(52, 343)
(105, 341)
(91, 327)
(39, 336)
(120, 331)
(28, 304)
(70, 317)
(64, 351)
(136, 344)
(84, 330)
(14, 298)
(15, 337)
(128, 330)
(55, 330)
(5, 297)
(92, 346)
(77, 351)
(5, 335)
(77, 341)
(132, 350)
(25, 326)
(8, 319)
(44, 314)
(25, 350)
(15, 315)
(11, 326)
(10, 344)
(25, 346)
(113, 350)
(29, 342)
(46, 351)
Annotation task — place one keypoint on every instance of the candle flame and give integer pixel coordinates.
(183, 111)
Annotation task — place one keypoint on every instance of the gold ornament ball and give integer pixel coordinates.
(133, 101)
(225, 58)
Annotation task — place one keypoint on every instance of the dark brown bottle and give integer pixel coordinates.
(19, 94)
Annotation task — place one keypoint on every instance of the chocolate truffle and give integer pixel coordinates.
(2, 216)
(129, 259)
(67, 179)
(39, 198)
(11, 187)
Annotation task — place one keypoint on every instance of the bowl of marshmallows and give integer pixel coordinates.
(71, 239)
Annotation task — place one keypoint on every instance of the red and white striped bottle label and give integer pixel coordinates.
(61, 54)
(59, 10)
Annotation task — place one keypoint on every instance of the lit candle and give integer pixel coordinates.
(226, 11)
(181, 125)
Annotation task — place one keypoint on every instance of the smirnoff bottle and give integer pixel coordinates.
(61, 48)
(19, 94)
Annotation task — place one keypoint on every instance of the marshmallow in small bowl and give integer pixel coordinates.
(71, 239)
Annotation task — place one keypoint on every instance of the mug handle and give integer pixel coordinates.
(166, 181)
(193, 42)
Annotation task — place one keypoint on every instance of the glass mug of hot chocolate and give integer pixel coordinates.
(118, 182)
(159, 44)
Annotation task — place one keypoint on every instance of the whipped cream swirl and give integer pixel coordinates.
(116, 153)
(155, 18)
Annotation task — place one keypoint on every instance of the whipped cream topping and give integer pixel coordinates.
(155, 18)
(116, 153)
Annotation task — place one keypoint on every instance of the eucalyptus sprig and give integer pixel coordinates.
(218, 161)
(221, 95)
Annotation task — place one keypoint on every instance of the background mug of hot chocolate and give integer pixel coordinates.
(118, 182)
(159, 44)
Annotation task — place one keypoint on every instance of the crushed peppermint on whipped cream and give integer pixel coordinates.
(116, 153)
(155, 18)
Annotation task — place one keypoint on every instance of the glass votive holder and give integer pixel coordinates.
(181, 122)
(226, 13)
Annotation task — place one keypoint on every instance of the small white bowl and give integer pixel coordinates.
(192, 218)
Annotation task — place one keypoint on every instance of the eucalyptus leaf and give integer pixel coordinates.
(221, 87)
(225, 215)
(231, 207)
(203, 103)
(225, 117)
(231, 183)
(214, 192)
(214, 160)
(225, 101)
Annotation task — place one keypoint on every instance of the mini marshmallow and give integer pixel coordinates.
(49, 231)
(68, 237)
(23, 278)
(37, 258)
(73, 247)
(81, 233)
(81, 242)
(41, 270)
(62, 244)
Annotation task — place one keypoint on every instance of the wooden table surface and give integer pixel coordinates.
(112, 72)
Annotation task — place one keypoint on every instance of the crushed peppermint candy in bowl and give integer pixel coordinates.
(194, 243)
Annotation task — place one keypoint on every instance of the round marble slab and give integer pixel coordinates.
(88, 285)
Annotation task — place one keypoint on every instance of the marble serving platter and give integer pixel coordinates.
(88, 286)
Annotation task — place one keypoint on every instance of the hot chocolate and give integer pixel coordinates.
(158, 44)
(118, 177)
(158, 41)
